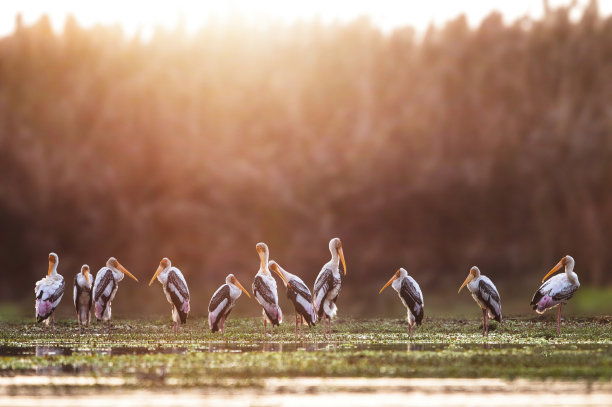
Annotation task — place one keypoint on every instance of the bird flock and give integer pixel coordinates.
(309, 308)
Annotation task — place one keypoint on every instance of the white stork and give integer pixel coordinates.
(49, 291)
(222, 303)
(557, 289)
(327, 284)
(81, 295)
(486, 296)
(264, 290)
(105, 287)
(299, 294)
(176, 290)
(410, 293)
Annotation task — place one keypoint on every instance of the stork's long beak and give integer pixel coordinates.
(388, 284)
(341, 253)
(554, 269)
(124, 271)
(159, 270)
(469, 278)
(86, 274)
(277, 271)
(241, 287)
(50, 268)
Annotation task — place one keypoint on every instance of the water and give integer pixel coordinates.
(20, 351)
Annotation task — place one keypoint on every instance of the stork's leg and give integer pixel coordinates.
(410, 330)
(324, 332)
(109, 326)
(486, 314)
(329, 326)
(265, 327)
(53, 322)
(484, 327)
(301, 323)
(296, 323)
(78, 321)
(559, 320)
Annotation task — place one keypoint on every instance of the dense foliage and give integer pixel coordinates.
(489, 145)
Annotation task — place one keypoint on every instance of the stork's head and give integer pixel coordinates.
(85, 272)
(272, 265)
(231, 279)
(53, 260)
(566, 261)
(261, 248)
(164, 264)
(335, 247)
(112, 263)
(400, 273)
(474, 273)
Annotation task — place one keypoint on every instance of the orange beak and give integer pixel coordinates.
(388, 283)
(341, 253)
(159, 270)
(469, 278)
(554, 269)
(124, 271)
(275, 269)
(237, 283)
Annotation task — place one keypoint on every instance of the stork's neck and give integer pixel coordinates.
(569, 271)
(53, 269)
(263, 262)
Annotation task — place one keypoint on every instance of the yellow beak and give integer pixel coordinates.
(50, 268)
(86, 274)
(388, 284)
(469, 278)
(159, 270)
(235, 281)
(341, 253)
(124, 271)
(554, 269)
(277, 271)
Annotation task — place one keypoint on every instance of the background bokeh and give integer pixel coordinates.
(487, 145)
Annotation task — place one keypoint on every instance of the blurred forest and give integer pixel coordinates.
(436, 151)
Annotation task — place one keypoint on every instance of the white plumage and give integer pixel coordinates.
(49, 292)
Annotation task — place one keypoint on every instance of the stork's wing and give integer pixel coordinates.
(489, 296)
(106, 280)
(565, 293)
(412, 297)
(300, 288)
(221, 294)
(261, 289)
(323, 284)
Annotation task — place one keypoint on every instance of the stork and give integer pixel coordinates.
(176, 290)
(222, 303)
(556, 290)
(299, 294)
(81, 295)
(410, 293)
(327, 284)
(264, 290)
(105, 287)
(486, 296)
(49, 292)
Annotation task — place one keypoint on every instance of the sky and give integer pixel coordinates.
(388, 14)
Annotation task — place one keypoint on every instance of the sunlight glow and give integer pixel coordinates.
(387, 14)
